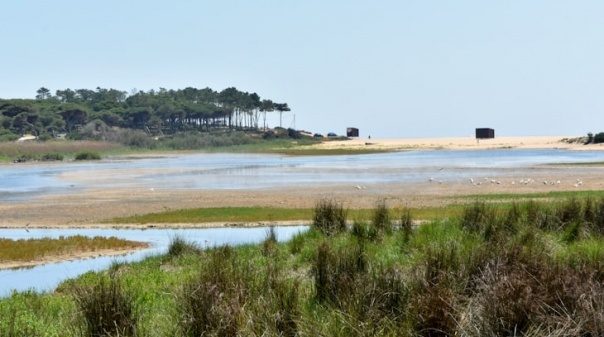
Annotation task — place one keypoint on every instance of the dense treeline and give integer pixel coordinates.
(156, 112)
(595, 139)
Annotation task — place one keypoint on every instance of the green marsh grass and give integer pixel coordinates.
(513, 271)
(537, 196)
(219, 214)
(259, 214)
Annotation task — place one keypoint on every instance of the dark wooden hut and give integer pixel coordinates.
(484, 133)
(352, 132)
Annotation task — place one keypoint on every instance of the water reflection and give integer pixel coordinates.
(47, 277)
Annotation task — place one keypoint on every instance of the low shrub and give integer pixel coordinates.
(52, 156)
(87, 155)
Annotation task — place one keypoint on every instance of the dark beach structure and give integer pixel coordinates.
(485, 133)
(352, 132)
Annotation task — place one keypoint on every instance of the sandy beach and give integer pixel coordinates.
(464, 143)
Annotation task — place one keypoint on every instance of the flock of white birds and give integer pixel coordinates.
(488, 181)
(577, 182)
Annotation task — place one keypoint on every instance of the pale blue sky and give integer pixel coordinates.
(392, 68)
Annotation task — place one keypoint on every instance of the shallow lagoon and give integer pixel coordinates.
(254, 171)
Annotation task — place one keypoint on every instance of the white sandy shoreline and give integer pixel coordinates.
(462, 143)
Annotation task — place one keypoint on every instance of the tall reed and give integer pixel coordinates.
(107, 309)
(329, 217)
(381, 217)
(212, 303)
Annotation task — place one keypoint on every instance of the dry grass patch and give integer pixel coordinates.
(38, 249)
(39, 149)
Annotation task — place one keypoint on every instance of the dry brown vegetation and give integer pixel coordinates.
(45, 249)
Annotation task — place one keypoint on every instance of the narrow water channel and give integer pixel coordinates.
(47, 277)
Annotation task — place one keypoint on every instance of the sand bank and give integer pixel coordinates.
(76, 255)
(463, 143)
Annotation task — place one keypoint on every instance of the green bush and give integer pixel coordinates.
(87, 155)
(599, 138)
(52, 156)
(8, 137)
(293, 134)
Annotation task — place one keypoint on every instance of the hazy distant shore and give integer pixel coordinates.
(463, 143)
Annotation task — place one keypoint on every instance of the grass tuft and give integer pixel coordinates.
(329, 217)
(107, 309)
(179, 246)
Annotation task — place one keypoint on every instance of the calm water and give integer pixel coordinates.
(48, 276)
